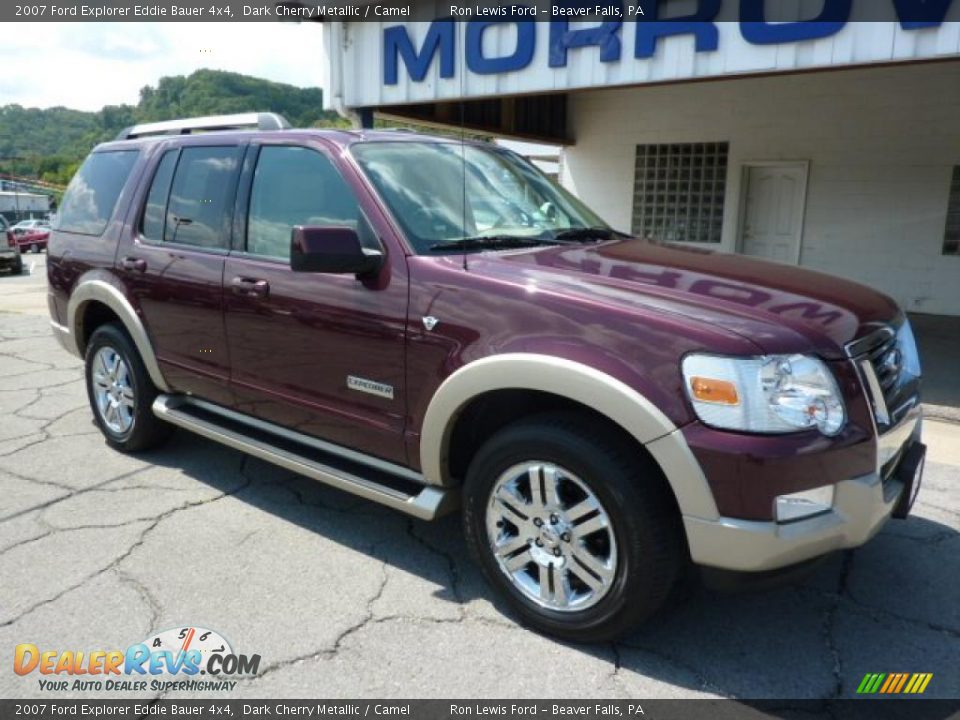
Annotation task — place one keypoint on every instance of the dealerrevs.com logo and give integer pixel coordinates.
(183, 658)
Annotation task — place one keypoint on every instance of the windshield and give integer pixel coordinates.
(443, 193)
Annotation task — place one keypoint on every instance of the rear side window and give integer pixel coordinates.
(156, 210)
(90, 199)
(202, 189)
(295, 186)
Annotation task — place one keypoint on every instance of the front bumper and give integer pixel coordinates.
(861, 506)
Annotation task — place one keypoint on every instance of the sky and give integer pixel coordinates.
(88, 65)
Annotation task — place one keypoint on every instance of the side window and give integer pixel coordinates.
(295, 186)
(156, 207)
(92, 195)
(202, 187)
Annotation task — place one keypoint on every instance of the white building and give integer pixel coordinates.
(832, 145)
(23, 205)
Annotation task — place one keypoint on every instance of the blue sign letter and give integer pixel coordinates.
(916, 14)
(396, 43)
(521, 57)
(758, 31)
(698, 24)
(605, 35)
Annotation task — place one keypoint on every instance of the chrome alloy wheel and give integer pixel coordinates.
(551, 536)
(113, 390)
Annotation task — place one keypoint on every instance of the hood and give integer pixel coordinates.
(781, 308)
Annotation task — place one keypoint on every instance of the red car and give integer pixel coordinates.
(33, 240)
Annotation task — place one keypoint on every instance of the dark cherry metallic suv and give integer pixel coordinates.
(435, 325)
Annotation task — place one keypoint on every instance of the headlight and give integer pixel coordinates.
(769, 394)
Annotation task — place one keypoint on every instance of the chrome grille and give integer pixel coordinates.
(892, 391)
(887, 361)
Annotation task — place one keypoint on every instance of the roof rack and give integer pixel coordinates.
(185, 126)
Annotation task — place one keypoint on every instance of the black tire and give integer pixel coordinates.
(643, 514)
(17, 268)
(146, 431)
(34, 248)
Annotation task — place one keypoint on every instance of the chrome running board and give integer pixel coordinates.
(370, 478)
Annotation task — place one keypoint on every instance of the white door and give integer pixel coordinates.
(773, 211)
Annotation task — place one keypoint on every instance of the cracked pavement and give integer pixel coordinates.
(345, 599)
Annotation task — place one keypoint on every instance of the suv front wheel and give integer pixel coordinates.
(121, 393)
(577, 531)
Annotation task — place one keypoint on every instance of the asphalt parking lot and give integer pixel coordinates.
(342, 598)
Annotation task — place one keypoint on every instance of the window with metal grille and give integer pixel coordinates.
(679, 191)
(951, 236)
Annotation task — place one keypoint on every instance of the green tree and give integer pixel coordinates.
(49, 144)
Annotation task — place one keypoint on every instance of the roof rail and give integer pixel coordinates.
(185, 126)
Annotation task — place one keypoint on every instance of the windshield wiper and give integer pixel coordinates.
(492, 242)
(587, 233)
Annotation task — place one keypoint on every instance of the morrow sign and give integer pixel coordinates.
(439, 43)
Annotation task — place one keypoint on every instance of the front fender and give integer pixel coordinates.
(577, 382)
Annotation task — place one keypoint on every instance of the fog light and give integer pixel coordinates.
(804, 504)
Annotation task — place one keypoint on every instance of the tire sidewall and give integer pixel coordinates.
(114, 338)
(530, 443)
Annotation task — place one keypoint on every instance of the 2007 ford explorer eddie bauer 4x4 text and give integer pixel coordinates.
(432, 325)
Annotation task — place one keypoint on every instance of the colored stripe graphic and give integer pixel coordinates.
(894, 683)
(891, 680)
(870, 683)
(918, 683)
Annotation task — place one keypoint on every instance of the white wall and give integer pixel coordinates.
(881, 143)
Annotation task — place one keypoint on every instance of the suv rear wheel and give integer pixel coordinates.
(579, 533)
(121, 393)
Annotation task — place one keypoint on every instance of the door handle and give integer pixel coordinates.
(132, 263)
(250, 287)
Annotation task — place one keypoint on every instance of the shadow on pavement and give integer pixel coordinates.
(879, 609)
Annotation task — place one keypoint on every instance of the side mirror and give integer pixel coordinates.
(331, 250)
